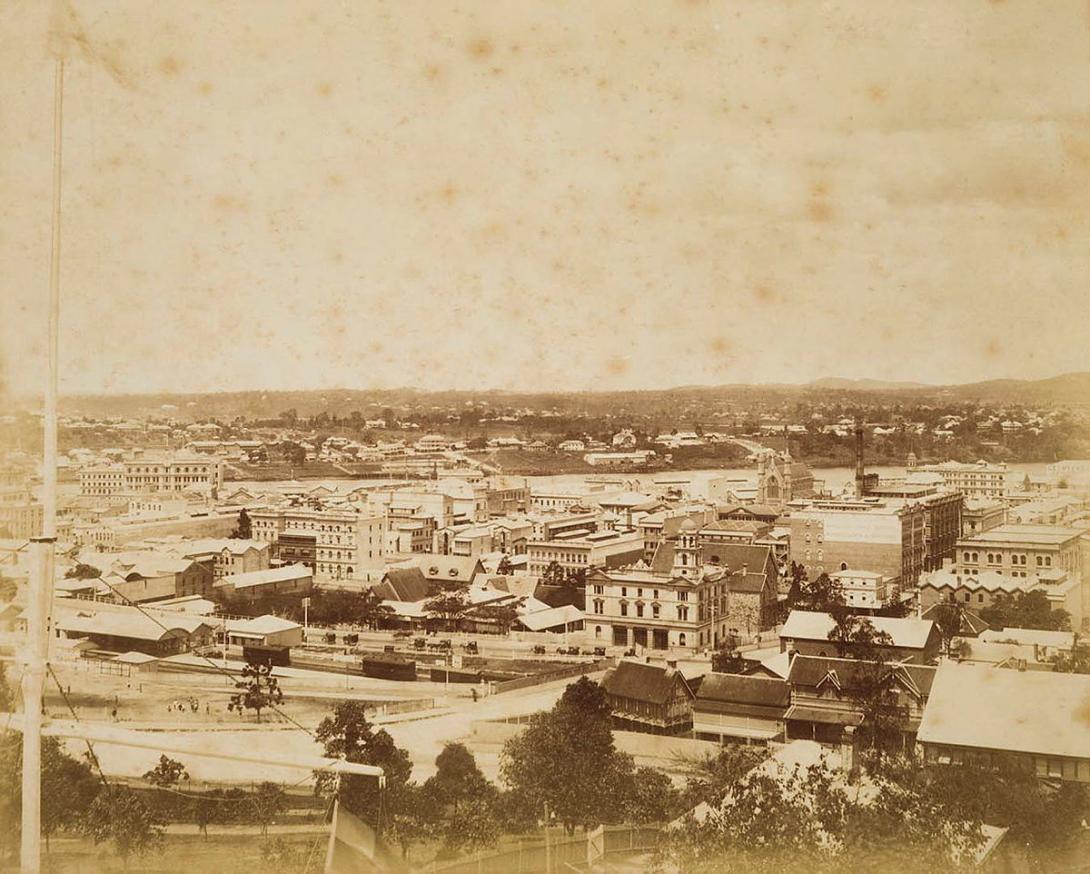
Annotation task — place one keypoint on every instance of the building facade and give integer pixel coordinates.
(338, 544)
(147, 472)
(597, 549)
(981, 479)
(20, 515)
(882, 535)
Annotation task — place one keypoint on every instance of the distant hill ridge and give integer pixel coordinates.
(1068, 388)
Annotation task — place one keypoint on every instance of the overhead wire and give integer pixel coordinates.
(219, 668)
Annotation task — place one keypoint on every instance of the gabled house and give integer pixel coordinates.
(988, 716)
(403, 584)
(649, 698)
(825, 696)
(811, 633)
(741, 708)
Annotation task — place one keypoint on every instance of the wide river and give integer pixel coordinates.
(835, 478)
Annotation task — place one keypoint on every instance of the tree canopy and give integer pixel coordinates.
(347, 732)
(566, 759)
(119, 816)
(1025, 610)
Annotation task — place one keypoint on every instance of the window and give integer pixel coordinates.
(683, 614)
(683, 596)
(599, 606)
(1040, 561)
(655, 611)
(624, 591)
(681, 639)
(598, 590)
(624, 608)
(639, 610)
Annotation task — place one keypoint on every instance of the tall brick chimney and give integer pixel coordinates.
(860, 473)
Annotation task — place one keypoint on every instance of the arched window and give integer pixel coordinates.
(843, 565)
(597, 632)
(681, 639)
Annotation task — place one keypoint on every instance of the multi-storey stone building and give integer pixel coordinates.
(688, 600)
(154, 472)
(338, 544)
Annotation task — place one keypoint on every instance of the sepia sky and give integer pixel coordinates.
(556, 195)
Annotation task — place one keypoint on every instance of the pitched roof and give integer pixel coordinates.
(980, 706)
(811, 625)
(814, 671)
(267, 624)
(270, 575)
(744, 525)
(642, 682)
(551, 617)
(1031, 636)
(734, 556)
(756, 510)
(450, 568)
(744, 689)
(971, 625)
(131, 623)
(559, 596)
(749, 583)
(403, 584)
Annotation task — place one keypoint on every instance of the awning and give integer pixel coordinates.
(753, 733)
(826, 717)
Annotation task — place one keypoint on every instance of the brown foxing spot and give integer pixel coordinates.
(1082, 712)
(616, 366)
(325, 89)
(819, 211)
(764, 294)
(993, 348)
(721, 346)
(876, 93)
(449, 193)
(480, 48)
(227, 202)
(433, 72)
(205, 88)
(170, 66)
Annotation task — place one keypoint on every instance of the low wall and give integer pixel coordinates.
(565, 853)
(550, 676)
(490, 732)
(662, 747)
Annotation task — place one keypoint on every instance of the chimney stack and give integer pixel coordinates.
(848, 753)
(860, 473)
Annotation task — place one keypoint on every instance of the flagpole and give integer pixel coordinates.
(40, 601)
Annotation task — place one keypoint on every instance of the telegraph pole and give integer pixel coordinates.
(40, 600)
